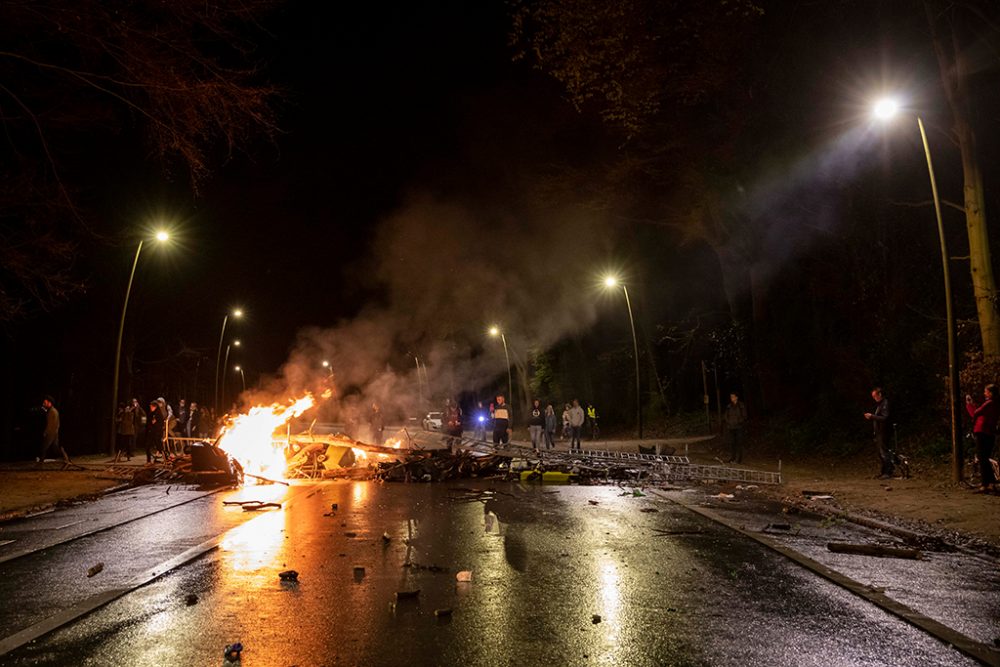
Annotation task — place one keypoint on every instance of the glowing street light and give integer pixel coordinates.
(884, 110)
(611, 282)
(420, 382)
(237, 313)
(162, 237)
(243, 377)
(495, 331)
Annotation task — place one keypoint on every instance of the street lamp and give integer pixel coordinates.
(225, 364)
(884, 110)
(162, 237)
(243, 377)
(218, 355)
(420, 384)
(495, 331)
(611, 282)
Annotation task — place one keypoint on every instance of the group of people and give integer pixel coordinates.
(542, 422)
(985, 417)
(153, 427)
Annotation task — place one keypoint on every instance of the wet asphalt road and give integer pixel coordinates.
(670, 587)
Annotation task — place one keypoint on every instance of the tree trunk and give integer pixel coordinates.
(980, 259)
(954, 69)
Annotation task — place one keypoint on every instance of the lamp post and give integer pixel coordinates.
(225, 364)
(611, 282)
(243, 377)
(162, 237)
(218, 355)
(884, 110)
(420, 385)
(495, 331)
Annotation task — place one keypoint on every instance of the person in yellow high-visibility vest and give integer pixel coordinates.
(592, 421)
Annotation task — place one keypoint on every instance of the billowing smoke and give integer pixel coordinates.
(447, 271)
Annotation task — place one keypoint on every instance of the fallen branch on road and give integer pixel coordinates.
(874, 550)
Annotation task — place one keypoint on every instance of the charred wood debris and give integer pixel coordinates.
(339, 457)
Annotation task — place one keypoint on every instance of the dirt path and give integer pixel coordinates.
(929, 497)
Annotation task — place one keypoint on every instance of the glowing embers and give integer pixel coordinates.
(249, 438)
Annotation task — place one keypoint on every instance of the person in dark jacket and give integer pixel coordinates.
(879, 418)
(377, 424)
(125, 421)
(502, 420)
(50, 436)
(194, 421)
(736, 419)
(536, 423)
(155, 430)
(984, 429)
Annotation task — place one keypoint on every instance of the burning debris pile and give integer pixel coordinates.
(441, 465)
(252, 446)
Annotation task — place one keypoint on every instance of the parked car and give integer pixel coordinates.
(433, 421)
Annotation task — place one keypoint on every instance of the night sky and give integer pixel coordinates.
(423, 184)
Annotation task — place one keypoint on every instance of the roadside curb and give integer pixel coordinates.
(949, 636)
(28, 512)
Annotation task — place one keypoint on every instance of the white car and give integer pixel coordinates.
(433, 421)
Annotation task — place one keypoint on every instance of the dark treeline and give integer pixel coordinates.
(723, 155)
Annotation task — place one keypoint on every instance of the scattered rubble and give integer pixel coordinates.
(95, 569)
(251, 505)
(231, 656)
(288, 575)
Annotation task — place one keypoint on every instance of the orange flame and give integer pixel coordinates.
(249, 438)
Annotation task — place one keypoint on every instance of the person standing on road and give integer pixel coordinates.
(183, 415)
(550, 426)
(878, 418)
(592, 421)
(736, 419)
(155, 430)
(453, 419)
(565, 422)
(377, 424)
(125, 431)
(576, 418)
(480, 425)
(502, 420)
(50, 436)
(984, 430)
(193, 429)
(536, 424)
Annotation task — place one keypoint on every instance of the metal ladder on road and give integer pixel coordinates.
(667, 468)
(628, 456)
(692, 471)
